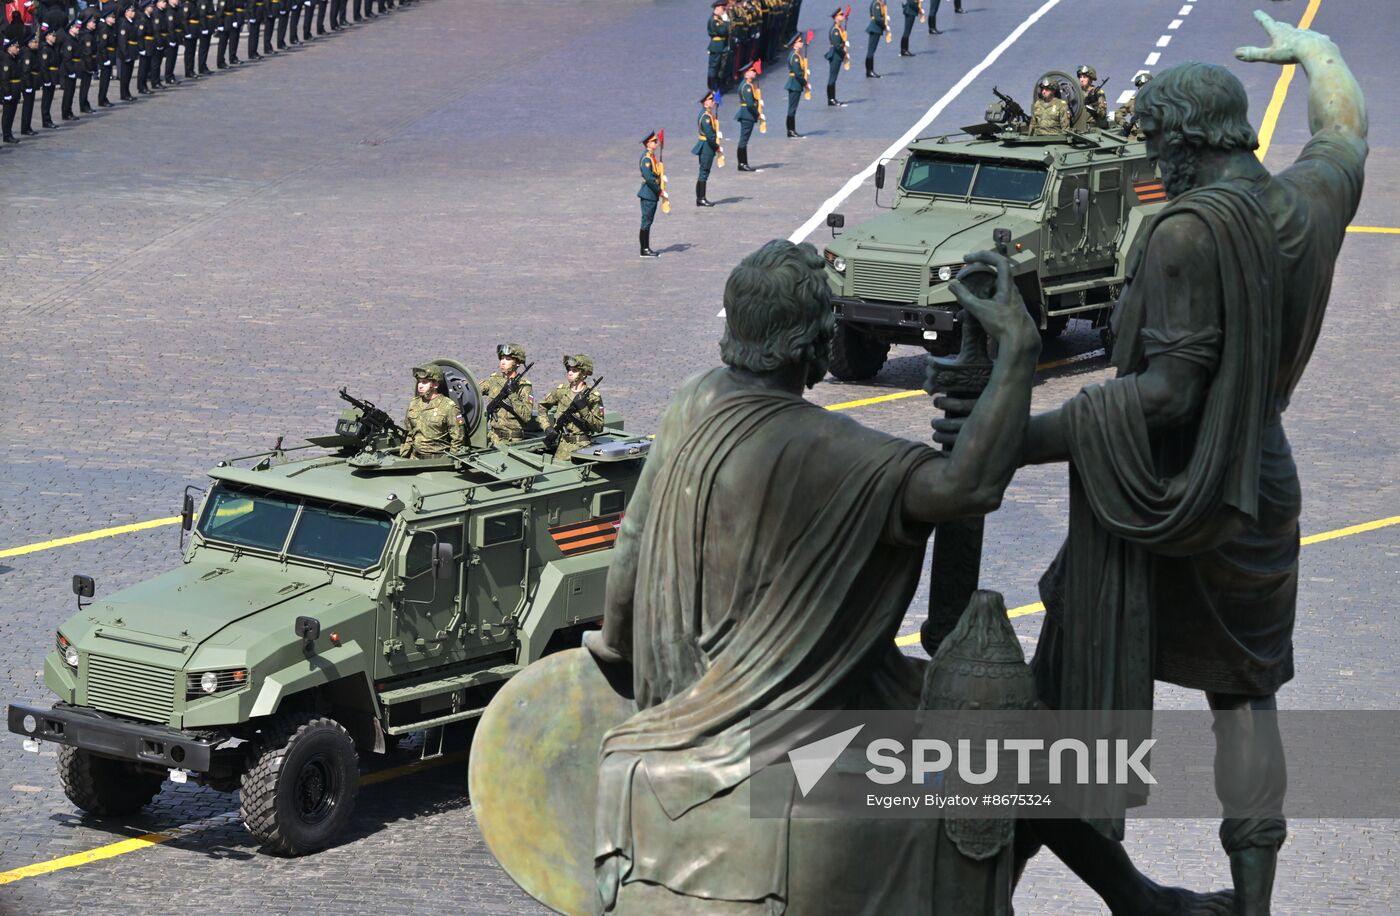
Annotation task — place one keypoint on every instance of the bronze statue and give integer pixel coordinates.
(766, 561)
(1181, 558)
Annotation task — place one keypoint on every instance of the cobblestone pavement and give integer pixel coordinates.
(194, 277)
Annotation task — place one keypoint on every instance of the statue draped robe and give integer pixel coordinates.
(773, 569)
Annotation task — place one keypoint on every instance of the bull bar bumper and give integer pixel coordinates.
(110, 736)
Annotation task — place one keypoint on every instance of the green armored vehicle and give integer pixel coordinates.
(1073, 204)
(327, 605)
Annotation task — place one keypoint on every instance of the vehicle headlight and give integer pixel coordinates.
(68, 651)
(839, 265)
(209, 682)
(203, 683)
(945, 273)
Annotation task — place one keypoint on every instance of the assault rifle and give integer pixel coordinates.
(1015, 113)
(372, 424)
(570, 415)
(509, 388)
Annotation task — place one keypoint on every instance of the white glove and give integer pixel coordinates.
(9, 98)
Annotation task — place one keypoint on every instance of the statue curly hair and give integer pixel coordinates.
(778, 311)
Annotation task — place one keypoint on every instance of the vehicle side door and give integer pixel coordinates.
(500, 560)
(426, 609)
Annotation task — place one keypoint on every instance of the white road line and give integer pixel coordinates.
(1125, 95)
(1174, 24)
(1184, 11)
(1164, 41)
(1152, 59)
(849, 188)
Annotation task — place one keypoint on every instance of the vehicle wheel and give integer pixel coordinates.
(855, 355)
(300, 791)
(1054, 327)
(103, 786)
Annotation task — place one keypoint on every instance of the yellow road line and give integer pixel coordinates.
(122, 847)
(1385, 230)
(1266, 127)
(1027, 609)
(89, 536)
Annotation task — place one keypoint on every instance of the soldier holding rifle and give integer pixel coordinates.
(879, 25)
(572, 414)
(838, 56)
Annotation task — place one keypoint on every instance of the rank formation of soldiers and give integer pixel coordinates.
(744, 34)
(54, 48)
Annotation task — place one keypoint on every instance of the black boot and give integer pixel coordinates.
(644, 237)
(904, 48)
(831, 99)
(870, 73)
(792, 128)
(700, 200)
(744, 160)
(933, 24)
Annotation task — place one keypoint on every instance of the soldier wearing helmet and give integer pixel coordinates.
(1094, 102)
(434, 421)
(587, 421)
(1050, 114)
(1126, 115)
(507, 422)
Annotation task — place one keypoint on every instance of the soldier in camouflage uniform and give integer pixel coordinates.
(1126, 115)
(434, 423)
(507, 422)
(1094, 103)
(587, 421)
(1050, 114)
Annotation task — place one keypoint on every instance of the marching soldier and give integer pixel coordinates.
(911, 16)
(585, 422)
(433, 421)
(70, 65)
(109, 49)
(232, 22)
(796, 84)
(1050, 114)
(706, 146)
(92, 56)
(11, 84)
(879, 25)
(1095, 105)
(33, 83)
(1126, 115)
(507, 422)
(175, 17)
(652, 191)
(750, 113)
(51, 63)
(837, 56)
(718, 27)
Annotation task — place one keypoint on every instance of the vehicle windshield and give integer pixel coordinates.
(925, 174)
(321, 532)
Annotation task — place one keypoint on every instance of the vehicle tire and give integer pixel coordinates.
(103, 786)
(300, 791)
(856, 355)
(1054, 327)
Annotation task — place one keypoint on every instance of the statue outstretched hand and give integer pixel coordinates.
(1288, 44)
(1004, 315)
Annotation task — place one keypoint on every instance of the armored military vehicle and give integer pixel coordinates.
(325, 606)
(1073, 203)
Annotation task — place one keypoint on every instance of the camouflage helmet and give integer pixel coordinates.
(511, 350)
(1048, 83)
(1086, 70)
(580, 362)
(1142, 79)
(431, 371)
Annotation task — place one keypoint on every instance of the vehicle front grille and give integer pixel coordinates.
(887, 282)
(130, 688)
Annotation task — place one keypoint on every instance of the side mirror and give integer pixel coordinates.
(1001, 238)
(442, 561)
(84, 587)
(879, 176)
(187, 512)
(1081, 203)
(308, 629)
(836, 220)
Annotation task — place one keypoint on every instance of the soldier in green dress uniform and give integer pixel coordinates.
(587, 421)
(797, 83)
(750, 113)
(837, 56)
(651, 192)
(911, 16)
(879, 25)
(706, 146)
(718, 27)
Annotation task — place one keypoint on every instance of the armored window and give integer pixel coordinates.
(934, 175)
(501, 528)
(341, 535)
(247, 518)
(609, 502)
(1017, 183)
(1107, 180)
